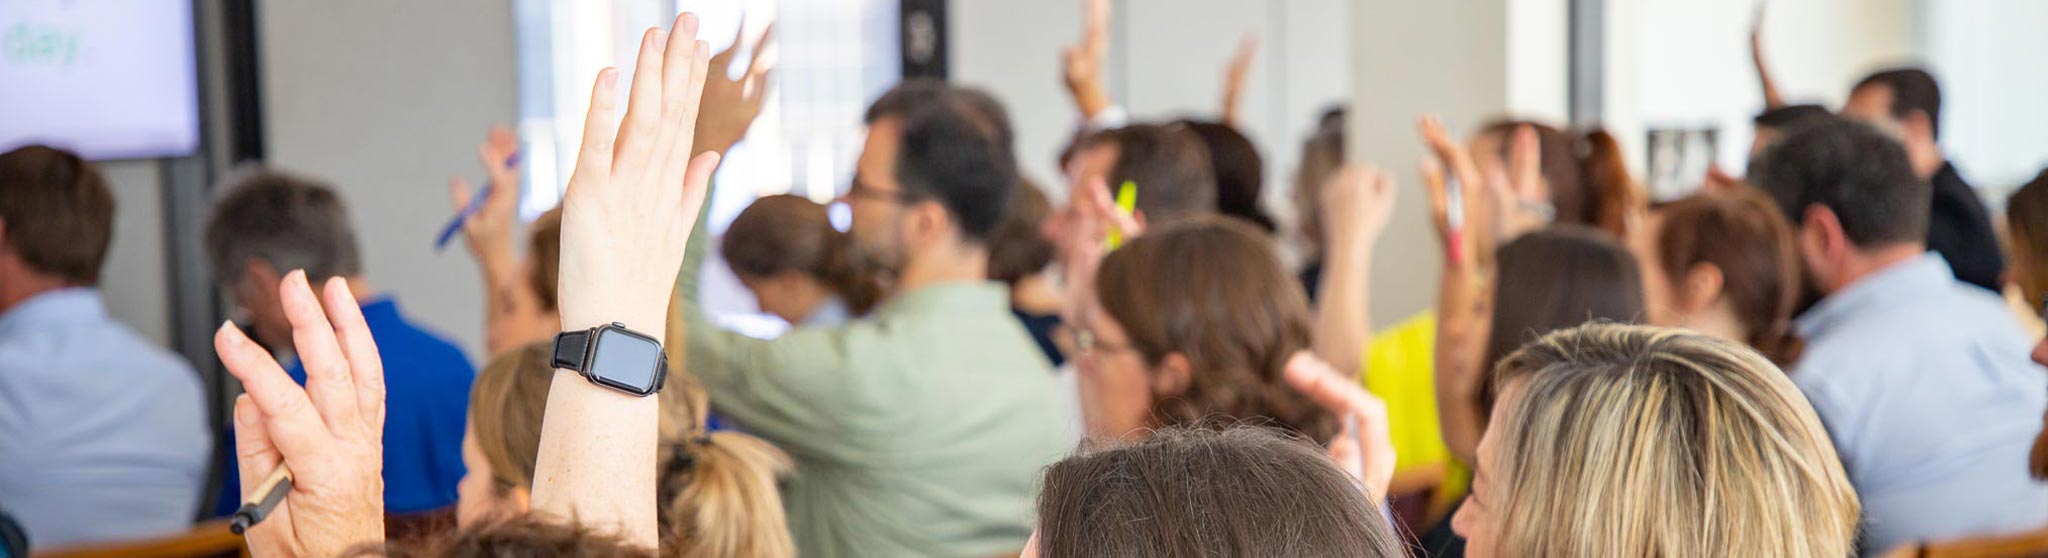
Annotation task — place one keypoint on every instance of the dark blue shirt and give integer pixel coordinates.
(426, 406)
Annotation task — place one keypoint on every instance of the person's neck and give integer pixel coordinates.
(1864, 263)
(1034, 294)
(946, 264)
(1719, 321)
(21, 285)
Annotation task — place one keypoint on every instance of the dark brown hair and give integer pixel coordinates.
(1168, 165)
(1018, 249)
(1586, 170)
(1212, 289)
(2026, 218)
(521, 536)
(545, 248)
(1198, 492)
(1741, 232)
(784, 233)
(1556, 278)
(1240, 172)
(59, 213)
(1913, 89)
(285, 220)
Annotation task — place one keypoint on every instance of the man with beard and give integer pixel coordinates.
(920, 429)
(1922, 380)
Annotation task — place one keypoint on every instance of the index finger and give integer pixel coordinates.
(763, 60)
(1322, 384)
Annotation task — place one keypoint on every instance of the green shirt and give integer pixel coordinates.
(920, 430)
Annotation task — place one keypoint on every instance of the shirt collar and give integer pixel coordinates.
(831, 312)
(59, 305)
(977, 296)
(1907, 279)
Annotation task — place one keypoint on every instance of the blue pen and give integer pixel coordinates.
(475, 204)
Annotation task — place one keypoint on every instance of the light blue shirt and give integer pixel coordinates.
(103, 434)
(1926, 387)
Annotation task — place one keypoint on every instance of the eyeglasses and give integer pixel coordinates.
(1082, 342)
(860, 191)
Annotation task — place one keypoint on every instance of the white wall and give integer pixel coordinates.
(134, 280)
(1988, 56)
(388, 99)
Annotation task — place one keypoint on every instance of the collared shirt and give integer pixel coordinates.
(426, 410)
(1926, 389)
(1960, 230)
(103, 434)
(919, 430)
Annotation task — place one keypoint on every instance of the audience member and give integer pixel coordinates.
(1722, 263)
(1242, 491)
(1322, 154)
(784, 250)
(266, 224)
(1164, 166)
(103, 431)
(1922, 381)
(1182, 340)
(1773, 123)
(1906, 104)
(1597, 449)
(1583, 173)
(919, 429)
(1020, 256)
(1239, 171)
(519, 295)
(2026, 224)
(718, 493)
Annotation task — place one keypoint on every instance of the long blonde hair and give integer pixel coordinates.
(718, 490)
(1639, 441)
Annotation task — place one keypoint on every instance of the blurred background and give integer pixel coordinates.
(388, 99)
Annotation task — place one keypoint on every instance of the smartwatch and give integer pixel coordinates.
(614, 357)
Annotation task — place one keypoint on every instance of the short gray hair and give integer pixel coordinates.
(285, 220)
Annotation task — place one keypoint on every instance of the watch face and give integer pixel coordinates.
(625, 360)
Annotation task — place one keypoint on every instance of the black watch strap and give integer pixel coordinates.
(572, 350)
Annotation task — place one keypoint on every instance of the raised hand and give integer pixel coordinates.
(330, 432)
(636, 192)
(489, 232)
(731, 105)
(1463, 238)
(1365, 448)
(1082, 62)
(1234, 76)
(1521, 193)
(1358, 201)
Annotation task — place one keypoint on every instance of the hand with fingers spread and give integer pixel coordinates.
(731, 105)
(1521, 193)
(1083, 62)
(632, 202)
(1366, 448)
(329, 432)
(1235, 75)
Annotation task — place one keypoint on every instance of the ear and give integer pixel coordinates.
(1919, 125)
(926, 220)
(1822, 242)
(259, 275)
(1172, 376)
(1702, 286)
(522, 500)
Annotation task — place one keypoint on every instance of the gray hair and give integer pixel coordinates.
(286, 220)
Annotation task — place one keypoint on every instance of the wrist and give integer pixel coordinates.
(653, 324)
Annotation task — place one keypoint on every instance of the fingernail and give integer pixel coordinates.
(660, 40)
(230, 334)
(297, 278)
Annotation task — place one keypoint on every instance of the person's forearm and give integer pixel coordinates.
(597, 451)
(1772, 98)
(1344, 308)
(1460, 346)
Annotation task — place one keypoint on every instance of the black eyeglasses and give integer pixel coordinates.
(859, 191)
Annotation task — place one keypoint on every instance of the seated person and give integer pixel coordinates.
(785, 251)
(103, 434)
(267, 224)
(718, 490)
(1722, 263)
(1906, 103)
(1019, 255)
(1923, 380)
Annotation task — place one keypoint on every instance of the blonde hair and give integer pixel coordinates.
(1640, 441)
(505, 405)
(718, 490)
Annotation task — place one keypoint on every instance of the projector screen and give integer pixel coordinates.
(110, 79)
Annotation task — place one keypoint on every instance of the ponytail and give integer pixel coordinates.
(719, 498)
(857, 285)
(1614, 193)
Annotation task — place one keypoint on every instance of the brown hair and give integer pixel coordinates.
(2026, 218)
(718, 490)
(1212, 290)
(1017, 249)
(1168, 165)
(545, 248)
(1556, 278)
(1642, 441)
(520, 536)
(1240, 172)
(59, 213)
(784, 233)
(1197, 492)
(505, 405)
(1587, 173)
(1322, 154)
(1741, 232)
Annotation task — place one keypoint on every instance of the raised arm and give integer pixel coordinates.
(488, 234)
(1772, 99)
(1083, 61)
(1235, 75)
(1357, 201)
(1463, 311)
(632, 202)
